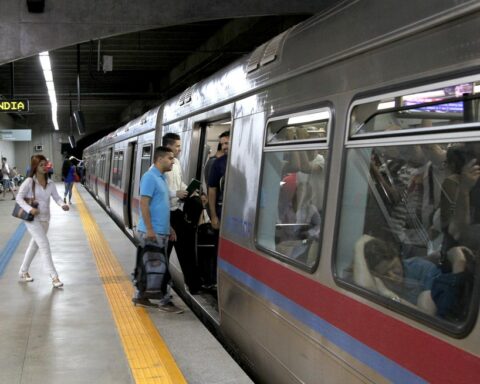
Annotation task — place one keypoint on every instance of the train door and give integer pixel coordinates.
(108, 172)
(205, 137)
(129, 179)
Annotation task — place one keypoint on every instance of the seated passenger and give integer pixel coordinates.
(414, 282)
(456, 215)
(299, 224)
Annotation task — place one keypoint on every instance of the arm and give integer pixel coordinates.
(145, 209)
(57, 198)
(212, 202)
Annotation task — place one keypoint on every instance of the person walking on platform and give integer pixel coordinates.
(68, 177)
(7, 183)
(154, 222)
(185, 242)
(41, 188)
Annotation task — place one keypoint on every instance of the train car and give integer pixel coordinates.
(349, 235)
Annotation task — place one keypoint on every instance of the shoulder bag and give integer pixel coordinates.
(20, 213)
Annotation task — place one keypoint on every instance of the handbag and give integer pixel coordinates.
(20, 213)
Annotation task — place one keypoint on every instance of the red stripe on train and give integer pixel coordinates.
(419, 352)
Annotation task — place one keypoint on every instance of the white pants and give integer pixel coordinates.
(39, 242)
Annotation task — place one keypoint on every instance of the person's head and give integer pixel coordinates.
(457, 157)
(219, 150)
(38, 165)
(172, 141)
(163, 159)
(204, 199)
(225, 141)
(4, 159)
(383, 260)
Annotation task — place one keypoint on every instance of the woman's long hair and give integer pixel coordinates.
(36, 159)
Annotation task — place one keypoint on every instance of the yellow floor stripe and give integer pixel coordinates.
(149, 357)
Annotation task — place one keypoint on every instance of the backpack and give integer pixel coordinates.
(150, 270)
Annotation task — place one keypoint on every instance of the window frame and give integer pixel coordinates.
(306, 145)
(445, 135)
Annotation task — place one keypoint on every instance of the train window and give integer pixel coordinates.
(408, 231)
(292, 188)
(146, 159)
(450, 107)
(117, 168)
(304, 127)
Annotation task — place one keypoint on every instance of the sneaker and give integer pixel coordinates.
(171, 308)
(25, 277)
(143, 303)
(56, 283)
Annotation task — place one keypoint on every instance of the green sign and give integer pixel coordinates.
(13, 105)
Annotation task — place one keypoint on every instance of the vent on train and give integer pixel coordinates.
(186, 96)
(267, 52)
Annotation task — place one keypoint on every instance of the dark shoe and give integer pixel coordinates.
(145, 303)
(171, 308)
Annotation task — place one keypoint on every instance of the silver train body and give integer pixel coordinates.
(302, 320)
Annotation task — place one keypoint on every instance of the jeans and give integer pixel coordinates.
(39, 242)
(68, 190)
(162, 241)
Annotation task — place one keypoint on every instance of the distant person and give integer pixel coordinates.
(68, 177)
(38, 185)
(154, 223)
(185, 242)
(49, 167)
(7, 183)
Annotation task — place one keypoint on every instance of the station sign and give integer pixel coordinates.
(14, 106)
(15, 134)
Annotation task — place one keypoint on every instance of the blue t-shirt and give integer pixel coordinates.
(216, 179)
(154, 185)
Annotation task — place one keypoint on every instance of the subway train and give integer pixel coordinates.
(348, 248)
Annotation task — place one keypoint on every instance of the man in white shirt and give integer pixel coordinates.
(7, 183)
(185, 243)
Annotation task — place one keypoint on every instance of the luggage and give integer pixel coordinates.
(150, 269)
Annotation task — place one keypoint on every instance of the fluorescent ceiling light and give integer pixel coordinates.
(48, 75)
(308, 118)
(476, 88)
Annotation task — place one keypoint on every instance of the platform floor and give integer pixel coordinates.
(88, 331)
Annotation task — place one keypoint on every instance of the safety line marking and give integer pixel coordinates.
(148, 356)
(12, 244)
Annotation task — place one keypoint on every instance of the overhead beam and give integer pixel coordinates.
(65, 23)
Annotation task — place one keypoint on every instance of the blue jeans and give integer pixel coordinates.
(68, 190)
(162, 241)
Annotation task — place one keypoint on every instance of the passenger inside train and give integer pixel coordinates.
(416, 207)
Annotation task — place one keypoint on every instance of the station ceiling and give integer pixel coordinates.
(147, 67)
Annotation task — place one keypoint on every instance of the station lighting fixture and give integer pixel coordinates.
(47, 73)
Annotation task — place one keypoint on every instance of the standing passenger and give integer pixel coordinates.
(185, 242)
(7, 183)
(154, 223)
(38, 185)
(216, 184)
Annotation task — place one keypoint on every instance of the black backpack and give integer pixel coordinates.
(150, 269)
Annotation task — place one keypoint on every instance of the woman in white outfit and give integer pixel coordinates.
(38, 185)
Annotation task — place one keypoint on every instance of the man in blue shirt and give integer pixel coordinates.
(154, 223)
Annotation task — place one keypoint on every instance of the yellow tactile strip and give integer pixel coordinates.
(149, 357)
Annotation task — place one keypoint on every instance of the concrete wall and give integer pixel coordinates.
(64, 23)
(7, 148)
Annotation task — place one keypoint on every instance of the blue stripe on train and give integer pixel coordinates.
(11, 246)
(360, 351)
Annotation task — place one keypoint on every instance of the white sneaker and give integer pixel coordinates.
(56, 283)
(25, 277)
